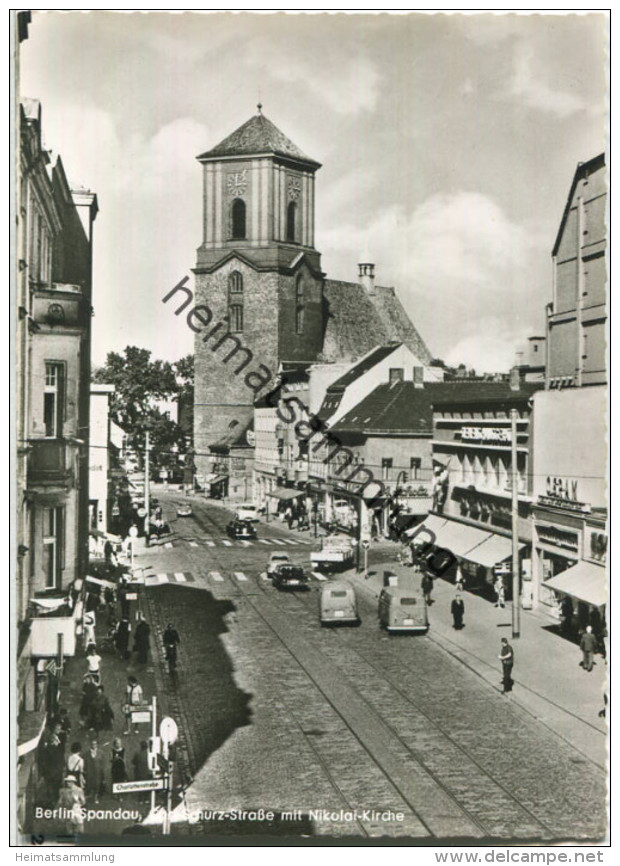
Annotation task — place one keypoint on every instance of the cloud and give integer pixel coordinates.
(347, 86)
(456, 261)
(491, 348)
(529, 86)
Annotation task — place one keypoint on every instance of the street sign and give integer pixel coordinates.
(141, 512)
(140, 716)
(139, 785)
(365, 544)
(168, 730)
(133, 531)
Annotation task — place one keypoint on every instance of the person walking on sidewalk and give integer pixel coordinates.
(458, 610)
(93, 662)
(588, 648)
(500, 592)
(72, 800)
(566, 615)
(121, 638)
(133, 699)
(75, 764)
(141, 640)
(101, 713)
(507, 658)
(118, 770)
(427, 588)
(89, 629)
(93, 770)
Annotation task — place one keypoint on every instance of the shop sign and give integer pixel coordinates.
(557, 537)
(562, 488)
(486, 434)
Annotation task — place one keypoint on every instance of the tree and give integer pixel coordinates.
(140, 384)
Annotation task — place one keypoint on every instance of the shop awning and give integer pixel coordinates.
(218, 479)
(434, 523)
(584, 581)
(459, 538)
(492, 551)
(286, 493)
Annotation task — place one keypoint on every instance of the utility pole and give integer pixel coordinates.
(147, 487)
(516, 569)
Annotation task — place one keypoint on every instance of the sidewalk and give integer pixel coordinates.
(549, 683)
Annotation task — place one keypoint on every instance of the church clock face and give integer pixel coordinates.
(237, 183)
(294, 188)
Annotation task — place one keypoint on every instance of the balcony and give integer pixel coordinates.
(50, 463)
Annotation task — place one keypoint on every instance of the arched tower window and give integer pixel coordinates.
(299, 306)
(238, 219)
(235, 302)
(291, 219)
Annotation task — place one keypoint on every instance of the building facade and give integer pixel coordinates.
(53, 334)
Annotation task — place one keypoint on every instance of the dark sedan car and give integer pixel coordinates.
(242, 529)
(289, 577)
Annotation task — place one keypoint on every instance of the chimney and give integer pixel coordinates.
(367, 276)
(418, 377)
(515, 379)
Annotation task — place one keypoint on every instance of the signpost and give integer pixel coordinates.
(168, 731)
(139, 785)
(365, 546)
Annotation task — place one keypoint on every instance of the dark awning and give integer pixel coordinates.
(286, 493)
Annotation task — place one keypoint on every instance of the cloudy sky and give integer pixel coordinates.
(448, 145)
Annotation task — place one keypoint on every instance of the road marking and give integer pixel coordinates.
(290, 541)
(318, 575)
(215, 575)
(193, 544)
(264, 541)
(210, 543)
(163, 578)
(246, 543)
(227, 543)
(240, 575)
(277, 541)
(179, 577)
(168, 544)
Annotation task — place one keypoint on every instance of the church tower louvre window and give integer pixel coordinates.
(238, 219)
(235, 302)
(291, 219)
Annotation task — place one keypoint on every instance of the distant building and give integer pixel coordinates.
(531, 361)
(106, 440)
(262, 300)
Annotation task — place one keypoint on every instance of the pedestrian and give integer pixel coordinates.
(93, 770)
(52, 762)
(118, 770)
(101, 713)
(141, 640)
(89, 690)
(75, 764)
(71, 801)
(566, 614)
(500, 592)
(93, 662)
(121, 638)
(133, 699)
(458, 609)
(588, 648)
(460, 580)
(111, 562)
(89, 629)
(63, 722)
(507, 658)
(427, 588)
(110, 602)
(140, 762)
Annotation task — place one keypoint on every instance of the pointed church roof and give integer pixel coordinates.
(257, 136)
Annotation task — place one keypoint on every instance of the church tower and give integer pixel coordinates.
(258, 273)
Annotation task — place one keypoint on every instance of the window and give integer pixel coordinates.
(235, 302)
(53, 400)
(299, 306)
(238, 219)
(387, 464)
(52, 546)
(291, 219)
(397, 374)
(415, 464)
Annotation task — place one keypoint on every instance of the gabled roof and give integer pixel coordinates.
(583, 170)
(258, 135)
(397, 408)
(358, 320)
(367, 363)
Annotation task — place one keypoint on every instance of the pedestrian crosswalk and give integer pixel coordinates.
(184, 578)
(197, 543)
(180, 577)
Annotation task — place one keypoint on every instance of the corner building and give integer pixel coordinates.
(257, 272)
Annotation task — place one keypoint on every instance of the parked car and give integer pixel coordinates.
(290, 577)
(241, 529)
(275, 560)
(184, 511)
(246, 511)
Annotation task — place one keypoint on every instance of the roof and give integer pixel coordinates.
(368, 361)
(357, 320)
(481, 391)
(258, 135)
(396, 408)
(583, 170)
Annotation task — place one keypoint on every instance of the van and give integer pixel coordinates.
(338, 604)
(402, 609)
(247, 511)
